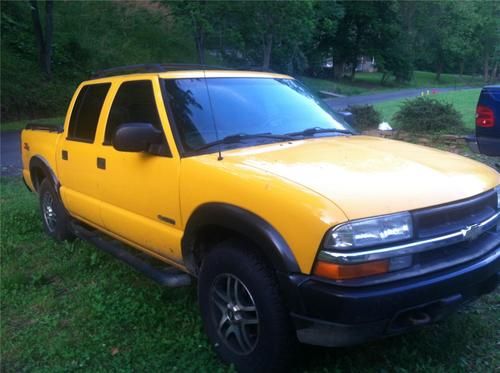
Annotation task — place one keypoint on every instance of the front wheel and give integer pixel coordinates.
(54, 217)
(242, 310)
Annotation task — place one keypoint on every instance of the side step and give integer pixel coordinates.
(166, 276)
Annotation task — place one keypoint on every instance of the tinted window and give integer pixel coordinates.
(134, 103)
(85, 115)
(243, 106)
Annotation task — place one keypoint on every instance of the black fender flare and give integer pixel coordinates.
(246, 224)
(41, 163)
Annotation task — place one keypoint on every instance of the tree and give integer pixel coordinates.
(327, 15)
(367, 28)
(445, 32)
(487, 37)
(43, 39)
(196, 15)
(276, 28)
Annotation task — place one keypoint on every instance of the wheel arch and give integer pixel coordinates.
(39, 170)
(225, 219)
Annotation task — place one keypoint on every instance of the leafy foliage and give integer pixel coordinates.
(365, 117)
(295, 37)
(425, 114)
(87, 37)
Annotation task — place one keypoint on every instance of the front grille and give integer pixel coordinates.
(449, 218)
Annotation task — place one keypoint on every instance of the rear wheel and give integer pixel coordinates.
(54, 217)
(242, 310)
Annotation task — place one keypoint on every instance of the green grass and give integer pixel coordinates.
(18, 125)
(464, 101)
(423, 79)
(71, 307)
(365, 83)
(342, 88)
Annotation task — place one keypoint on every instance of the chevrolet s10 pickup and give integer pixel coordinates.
(294, 226)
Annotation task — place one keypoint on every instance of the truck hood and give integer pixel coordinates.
(368, 176)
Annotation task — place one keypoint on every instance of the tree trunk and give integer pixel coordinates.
(439, 70)
(494, 72)
(486, 68)
(40, 43)
(354, 63)
(338, 69)
(462, 64)
(43, 42)
(200, 46)
(268, 47)
(47, 50)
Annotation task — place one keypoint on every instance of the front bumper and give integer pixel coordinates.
(330, 314)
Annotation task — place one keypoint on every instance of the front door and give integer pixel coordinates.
(140, 191)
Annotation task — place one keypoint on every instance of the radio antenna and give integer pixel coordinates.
(219, 158)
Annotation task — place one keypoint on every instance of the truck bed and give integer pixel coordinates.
(40, 141)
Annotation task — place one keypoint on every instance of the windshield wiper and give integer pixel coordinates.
(314, 130)
(233, 139)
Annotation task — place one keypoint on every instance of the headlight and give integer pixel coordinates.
(370, 232)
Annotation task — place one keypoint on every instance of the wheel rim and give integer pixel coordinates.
(234, 314)
(49, 212)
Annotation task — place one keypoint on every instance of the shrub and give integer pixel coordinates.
(365, 117)
(425, 114)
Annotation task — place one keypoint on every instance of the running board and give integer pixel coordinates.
(166, 276)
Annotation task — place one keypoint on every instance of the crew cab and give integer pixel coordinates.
(296, 227)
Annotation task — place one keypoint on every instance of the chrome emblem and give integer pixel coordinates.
(471, 232)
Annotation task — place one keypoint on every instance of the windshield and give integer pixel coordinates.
(244, 106)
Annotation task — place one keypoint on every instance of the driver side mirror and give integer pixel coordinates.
(347, 116)
(136, 137)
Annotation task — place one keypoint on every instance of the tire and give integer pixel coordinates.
(55, 219)
(260, 336)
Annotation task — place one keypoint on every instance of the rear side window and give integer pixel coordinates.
(133, 103)
(85, 115)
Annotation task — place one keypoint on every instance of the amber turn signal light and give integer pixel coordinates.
(350, 271)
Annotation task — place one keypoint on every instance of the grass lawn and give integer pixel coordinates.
(365, 83)
(20, 124)
(464, 101)
(342, 88)
(69, 306)
(425, 79)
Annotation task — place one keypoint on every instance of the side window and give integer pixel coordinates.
(134, 103)
(85, 115)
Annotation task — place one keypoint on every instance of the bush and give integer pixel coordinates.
(365, 117)
(425, 114)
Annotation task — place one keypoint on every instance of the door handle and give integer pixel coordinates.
(64, 155)
(101, 163)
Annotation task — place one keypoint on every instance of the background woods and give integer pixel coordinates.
(48, 47)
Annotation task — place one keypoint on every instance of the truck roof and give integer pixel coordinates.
(181, 71)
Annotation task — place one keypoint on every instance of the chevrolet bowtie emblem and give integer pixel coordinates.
(471, 232)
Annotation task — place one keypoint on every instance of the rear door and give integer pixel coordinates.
(77, 154)
(140, 191)
(488, 121)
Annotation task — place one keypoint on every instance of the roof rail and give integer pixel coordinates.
(153, 68)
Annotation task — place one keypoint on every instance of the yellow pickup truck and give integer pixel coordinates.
(296, 227)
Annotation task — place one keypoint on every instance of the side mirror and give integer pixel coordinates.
(136, 137)
(347, 116)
